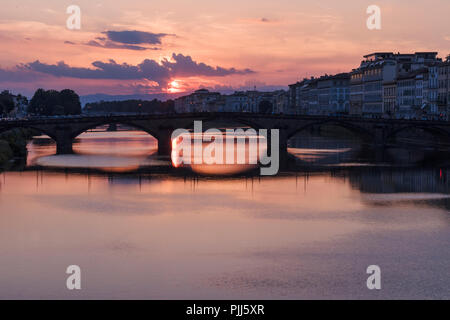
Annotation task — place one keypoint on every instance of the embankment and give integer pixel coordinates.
(13, 144)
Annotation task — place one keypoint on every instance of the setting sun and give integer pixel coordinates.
(174, 87)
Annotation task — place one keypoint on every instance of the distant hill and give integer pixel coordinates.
(134, 106)
(106, 97)
(167, 96)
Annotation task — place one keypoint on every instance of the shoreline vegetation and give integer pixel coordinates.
(13, 145)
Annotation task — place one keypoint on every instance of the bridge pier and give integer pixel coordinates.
(165, 143)
(64, 141)
(283, 141)
(282, 146)
(112, 127)
(64, 148)
(284, 154)
(379, 136)
(380, 154)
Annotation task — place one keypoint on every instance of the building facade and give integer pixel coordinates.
(367, 84)
(200, 101)
(334, 94)
(390, 98)
(406, 96)
(431, 87)
(372, 84)
(321, 96)
(386, 84)
(443, 99)
(240, 101)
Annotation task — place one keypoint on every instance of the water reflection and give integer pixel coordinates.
(152, 235)
(116, 143)
(314, 149)
(40, 146)
(117, 151)
(218, 154)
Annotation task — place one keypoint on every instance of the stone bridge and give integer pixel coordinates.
(376, 131)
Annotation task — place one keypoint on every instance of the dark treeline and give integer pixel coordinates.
(134, 106)
(52, 102)
(13, 144)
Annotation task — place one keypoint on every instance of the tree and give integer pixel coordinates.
(70, 101)
(52, 102)
(37, 103)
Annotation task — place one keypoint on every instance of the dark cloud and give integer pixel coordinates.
(104, 70)
(128, 40)
(19, 73)
(148, 69)
(135, 37)
(185, 66)
(112, 45)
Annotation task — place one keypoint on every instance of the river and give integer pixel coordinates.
(139, 231)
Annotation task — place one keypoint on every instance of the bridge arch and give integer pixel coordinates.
(231, 119)
(65, 141)
(94, 125)
(32, 127)
(358, 130)
(434, 131)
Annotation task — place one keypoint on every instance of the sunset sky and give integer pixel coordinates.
(170, 46)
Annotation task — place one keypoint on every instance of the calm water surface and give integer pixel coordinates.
(169, 236)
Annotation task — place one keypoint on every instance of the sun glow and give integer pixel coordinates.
(174, 86)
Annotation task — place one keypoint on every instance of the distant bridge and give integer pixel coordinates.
(65, 129)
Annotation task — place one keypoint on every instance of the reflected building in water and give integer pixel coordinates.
(392, 180)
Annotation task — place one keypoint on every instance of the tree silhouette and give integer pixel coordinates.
(70, 102)
(52, 102)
